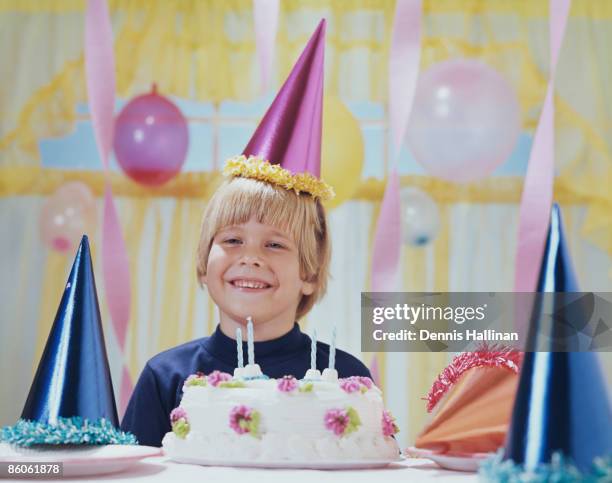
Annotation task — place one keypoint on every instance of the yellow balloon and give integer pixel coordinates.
(342, 150)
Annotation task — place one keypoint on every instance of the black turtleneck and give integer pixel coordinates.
(159, 388)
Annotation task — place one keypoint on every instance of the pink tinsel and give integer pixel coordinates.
(485, 356)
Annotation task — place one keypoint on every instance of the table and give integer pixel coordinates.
(159, 469)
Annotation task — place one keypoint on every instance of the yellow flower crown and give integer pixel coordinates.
(257, 168)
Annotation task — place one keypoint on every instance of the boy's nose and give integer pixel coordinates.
(251, 260)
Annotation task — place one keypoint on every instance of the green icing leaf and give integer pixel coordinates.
(254, 424)
(307, 387)
(181, 428)
(251, 426)
(231, 384)
(354, 421)
(196, 382)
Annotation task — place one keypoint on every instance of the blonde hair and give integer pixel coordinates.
(239, 199)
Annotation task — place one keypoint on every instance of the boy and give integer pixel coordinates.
(263, 253)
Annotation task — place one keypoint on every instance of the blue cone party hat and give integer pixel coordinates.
(561, 405)
(71, 400)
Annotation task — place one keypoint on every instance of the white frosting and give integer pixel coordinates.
(330, 375)
(313, 374)
(292, 424)
(252, 370)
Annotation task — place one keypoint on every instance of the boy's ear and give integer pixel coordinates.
(202, 280)
(308, 287)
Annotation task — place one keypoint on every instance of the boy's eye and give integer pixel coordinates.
(275, 245)
(232, 241)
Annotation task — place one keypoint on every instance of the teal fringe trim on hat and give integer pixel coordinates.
(66, 431)
(559, 470)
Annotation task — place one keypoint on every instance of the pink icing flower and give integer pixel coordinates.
(287, 384)
(243, 420)
(350, 384)
(215, 377)
(337, 420)
(178, 413)
(366, 381)
(389, 427)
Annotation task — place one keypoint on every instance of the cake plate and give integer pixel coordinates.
(450, 461)
(305, 465)
(79, 460)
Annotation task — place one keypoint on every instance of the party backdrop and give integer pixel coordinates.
(201, 56)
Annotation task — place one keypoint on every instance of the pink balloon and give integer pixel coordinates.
(151, 139)
(67, 215)
(465, 120)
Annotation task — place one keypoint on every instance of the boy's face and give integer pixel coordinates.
(253, 270)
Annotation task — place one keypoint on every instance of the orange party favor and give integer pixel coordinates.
(471, 402)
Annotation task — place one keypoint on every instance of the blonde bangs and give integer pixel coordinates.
(240, 199)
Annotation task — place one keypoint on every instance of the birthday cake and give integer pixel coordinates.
(224, 418)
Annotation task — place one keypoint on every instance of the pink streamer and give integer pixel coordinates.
(388, 239)
(100, 79)
(559, 13)
(265, 13)
(125, 391)
(374, 370)
(537, 197)
(116, 269)
(100, 74)
(404, 61)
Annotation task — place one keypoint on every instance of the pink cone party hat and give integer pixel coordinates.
(285, 149)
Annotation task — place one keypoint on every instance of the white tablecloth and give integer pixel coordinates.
(159, 469)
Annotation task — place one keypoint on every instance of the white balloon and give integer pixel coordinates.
(465, 120)
(420, 217)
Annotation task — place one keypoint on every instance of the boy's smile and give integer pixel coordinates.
(253, 270)
(249, 284)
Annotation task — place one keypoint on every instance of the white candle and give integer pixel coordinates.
(332, 350)
(251, 347)
(239, 346)
(313, 351)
